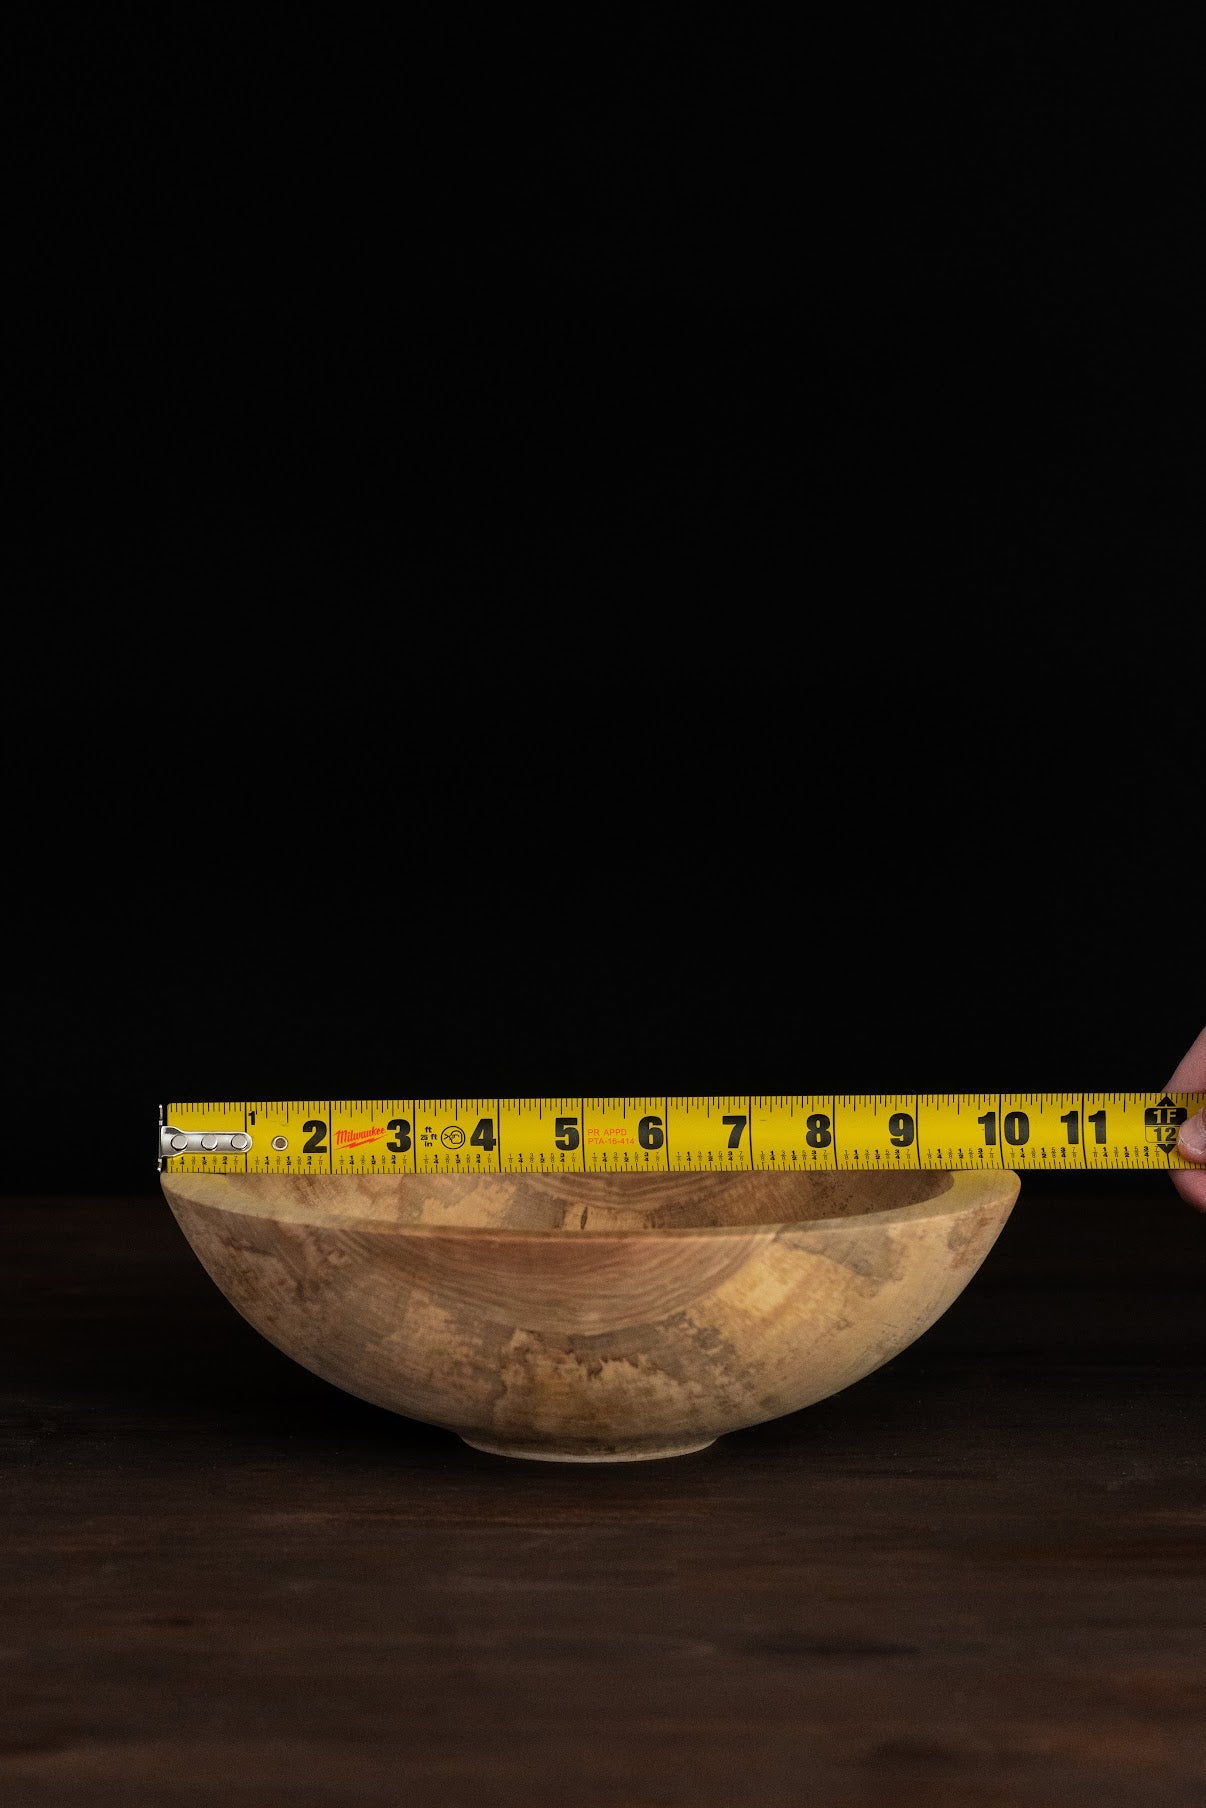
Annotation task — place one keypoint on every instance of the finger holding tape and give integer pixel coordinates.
(1190, 1076)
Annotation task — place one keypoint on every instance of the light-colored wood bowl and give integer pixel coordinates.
(588, 1319)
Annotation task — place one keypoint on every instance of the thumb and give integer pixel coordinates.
(1191, 1138)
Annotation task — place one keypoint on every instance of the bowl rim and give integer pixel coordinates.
(970, 1189)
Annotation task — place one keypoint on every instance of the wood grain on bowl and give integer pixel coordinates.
(585, 1317)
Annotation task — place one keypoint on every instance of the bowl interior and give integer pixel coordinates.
(574, 1203)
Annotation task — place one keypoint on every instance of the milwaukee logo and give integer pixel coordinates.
(352, 1139)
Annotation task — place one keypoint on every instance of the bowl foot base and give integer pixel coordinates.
(583, 1453)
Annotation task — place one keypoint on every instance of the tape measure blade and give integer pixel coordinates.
(717, 1133)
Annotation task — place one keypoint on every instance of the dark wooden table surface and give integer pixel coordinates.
(976, 1578)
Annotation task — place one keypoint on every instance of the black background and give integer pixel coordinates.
(579, 556)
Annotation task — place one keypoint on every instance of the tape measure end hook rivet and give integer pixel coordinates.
(173, 1141)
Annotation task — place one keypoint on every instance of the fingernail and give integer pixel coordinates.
(1191, 1138)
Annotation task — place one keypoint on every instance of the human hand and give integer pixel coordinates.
(1190, 1076)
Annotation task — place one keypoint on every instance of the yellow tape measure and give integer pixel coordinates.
(1059, 1132)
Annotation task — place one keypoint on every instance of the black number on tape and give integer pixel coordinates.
(567, 1133)
(483, 1137)
(901, 1129)
(650, 1134)
(401, 1142)
(819, 1135)
(315, 1146)
(1016, 1126)
(737, 1127)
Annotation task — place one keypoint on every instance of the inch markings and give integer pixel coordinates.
(725, 1133)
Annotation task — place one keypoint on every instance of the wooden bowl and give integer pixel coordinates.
(588, 1319)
